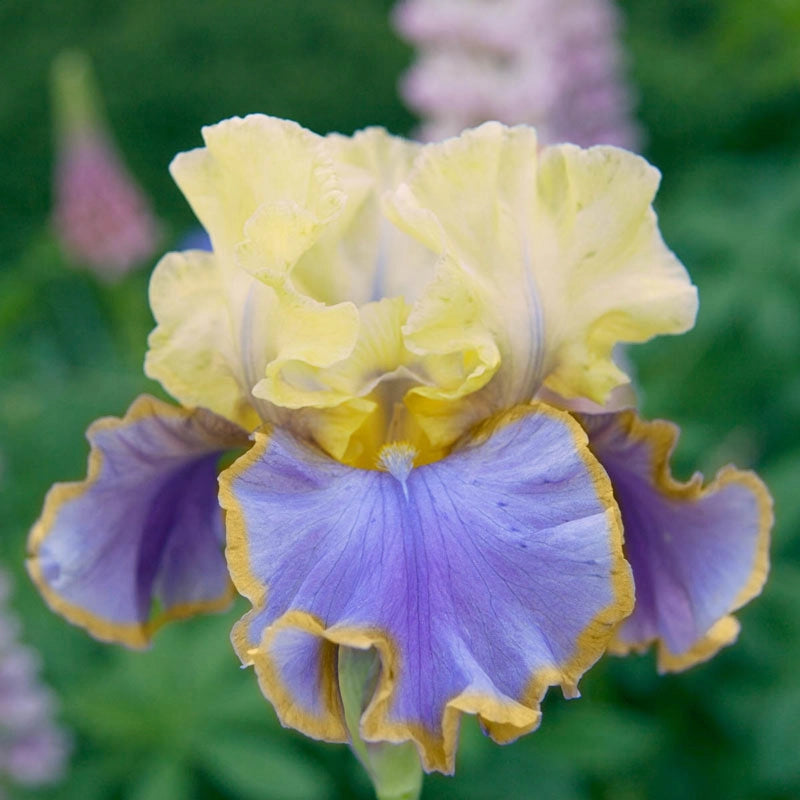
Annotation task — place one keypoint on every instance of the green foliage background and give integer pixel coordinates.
(719, 85)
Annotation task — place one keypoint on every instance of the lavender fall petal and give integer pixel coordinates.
(697, 552)
(139, 541)
(481, 579)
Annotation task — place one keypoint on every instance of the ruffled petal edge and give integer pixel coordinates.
(662, 437)
(504, 722)
(134, 635)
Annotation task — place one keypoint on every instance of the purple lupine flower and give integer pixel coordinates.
(33, 749)
(555, 64)
(101, 216)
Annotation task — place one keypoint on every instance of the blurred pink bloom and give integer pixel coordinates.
(554, 64)
(33, 750)
(101, 215)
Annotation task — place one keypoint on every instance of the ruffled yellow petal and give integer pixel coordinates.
(553, 258)
(196, 351)
(380, 352)
(380, 369)
(361, 256)
(265, 189)
(307, 333)
(352, 407)
(619, 282)
(447, 329)
(253, 163)
(300, 214)
(220, 333)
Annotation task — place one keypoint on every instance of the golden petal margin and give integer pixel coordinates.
(134, 635)
(660, 438)
(504, 721)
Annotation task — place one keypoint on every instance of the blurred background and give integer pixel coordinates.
(715, 87)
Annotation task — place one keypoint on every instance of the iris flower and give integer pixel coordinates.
(410, 349)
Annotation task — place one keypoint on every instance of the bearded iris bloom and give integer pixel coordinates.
(410, 348)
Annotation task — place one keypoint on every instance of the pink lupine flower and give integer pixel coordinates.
(554, 64)
(102, 217)
(33, 749)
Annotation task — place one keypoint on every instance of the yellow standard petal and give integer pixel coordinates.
(551, 258)
(199, 349)
(354, 406)
(361, 256)
(264, 189)
(253, 163)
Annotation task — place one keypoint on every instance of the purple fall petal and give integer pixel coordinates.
(480, 579)
(138, 542)
(697, 553)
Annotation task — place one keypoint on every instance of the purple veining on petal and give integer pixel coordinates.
(141, 539)
(172, 558)
(480, 571)
(301, 659)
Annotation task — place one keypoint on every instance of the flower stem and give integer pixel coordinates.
(394, 769)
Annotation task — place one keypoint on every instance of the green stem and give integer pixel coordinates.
(395, 769)
(76, 98)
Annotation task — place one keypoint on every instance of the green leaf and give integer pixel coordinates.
(161, 779)
(262, 768)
